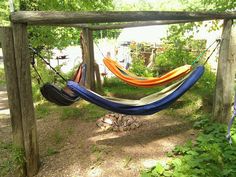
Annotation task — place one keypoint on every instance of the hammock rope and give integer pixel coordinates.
(201, 54)
(35, 52)
(60, 96)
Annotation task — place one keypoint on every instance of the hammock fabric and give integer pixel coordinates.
(65, 96)
(134, 80)
(145, 106)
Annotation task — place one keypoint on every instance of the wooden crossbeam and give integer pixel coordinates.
(122, 25)
(45, 17)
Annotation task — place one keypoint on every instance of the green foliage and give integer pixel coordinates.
(42, 110)
(57, 136)
(84, 111)
(14, 161)
(50, 37)
(2, 77)
(51, 151)
(209, 5)
(4, 13)
(206, 85)
(138, 68)
(148, 5)
(178, 49)
(115, 87)
(209, 156)
(110, 34)
(69, 113)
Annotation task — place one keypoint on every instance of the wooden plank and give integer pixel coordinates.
(125, 24)
(232, 53)
(13, 92)
(25, 89)
(224, 78)
(98, 77)
(139, 24)
(45, 17)
(88, 57)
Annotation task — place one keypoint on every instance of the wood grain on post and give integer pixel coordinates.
(232, 52)
(13, 92)
(98, 77)
(44, 17)
(224, 79)
(88, 57)
(26, 101)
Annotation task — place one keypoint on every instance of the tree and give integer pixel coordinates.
(209, 5)
(4, 13)
(60, 37)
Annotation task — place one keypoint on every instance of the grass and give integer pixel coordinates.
(115, 87)
(51, 151)
(2, 77)
(11, 159)
(58, 137)
(81, 110)
(42, 110)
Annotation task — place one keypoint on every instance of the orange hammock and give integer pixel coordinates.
(134, 80)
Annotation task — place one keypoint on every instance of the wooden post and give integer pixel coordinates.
(13, 92)
(88, 57)
(224, 78)
(232, 54)
(98, 78)
(22, 60)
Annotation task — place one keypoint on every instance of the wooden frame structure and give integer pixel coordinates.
(17, 62)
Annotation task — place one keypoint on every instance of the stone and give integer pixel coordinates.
(108, 121)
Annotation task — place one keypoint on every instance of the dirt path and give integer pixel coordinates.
(85, 150)
(5, 127)
(76, 148)
(4, 111)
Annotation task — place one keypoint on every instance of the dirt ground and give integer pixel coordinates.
(76, 148)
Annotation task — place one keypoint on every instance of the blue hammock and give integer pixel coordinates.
(132, 109)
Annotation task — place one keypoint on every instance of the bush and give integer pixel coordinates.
(178, 49)
(209, 156)
(138, 68)
(171, 58)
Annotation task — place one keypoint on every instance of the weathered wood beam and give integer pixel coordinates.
(22, 60)
(45, 17)
(88, 57)
(224, 78)
(138, 24)
(13, 92)
(233, 49)
(125, 24)
(98, 77)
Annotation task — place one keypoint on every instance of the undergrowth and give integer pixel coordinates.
(210, 155)
(11, 159)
